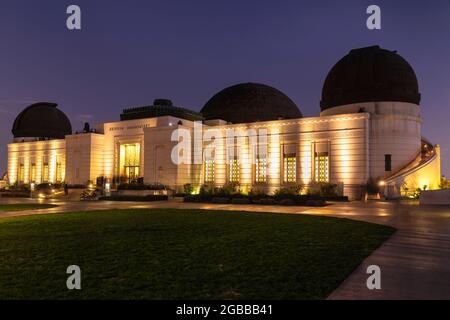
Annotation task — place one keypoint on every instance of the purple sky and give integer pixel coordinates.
(131, 52)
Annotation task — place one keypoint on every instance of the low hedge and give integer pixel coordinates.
(132, 186)
(135, 198)
(76, 186)
(285, 200)
(15, 195)
(180, 194)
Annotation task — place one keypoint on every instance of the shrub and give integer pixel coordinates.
(445, 183)
(188, 188)
(229, 188)
(416, 194)
(257, 193)
(100, 181)
(328, 189)
(136, 186)
(315, 203)
(14, 195)
(372, 186)
(411, 192)
(290, 190)
(240, 201)
(336, 198)
(287, 202)
(206, 190)
(267, 201)
(135, 198)
(322, 189)
(191, 198)
(291, 193)
(220, 200)
(206, 193)
(19, 187)
(313, 190)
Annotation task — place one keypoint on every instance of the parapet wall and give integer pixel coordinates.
(435, 197)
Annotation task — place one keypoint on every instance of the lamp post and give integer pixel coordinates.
(107, 189)
(32, 188)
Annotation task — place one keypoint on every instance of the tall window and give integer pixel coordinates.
(33, 172)
(234, 170)
(45, 172)
(261, 170)
(209, 170)
(387, 162)
(58, 170)
(290, 168)
(322, 167)
(130, 156)
(21, 174)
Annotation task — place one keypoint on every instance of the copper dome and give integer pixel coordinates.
(250, 102)
(42, 120)
(368, 75)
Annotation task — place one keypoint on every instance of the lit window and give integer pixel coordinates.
(261, 170)
(234, 170)
(58, 171)
(322, 170)
(33, 172)
(45, 172)
(209, 170)
(290, 168)
(21, 176)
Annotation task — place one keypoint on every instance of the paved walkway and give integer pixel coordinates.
(414, 262)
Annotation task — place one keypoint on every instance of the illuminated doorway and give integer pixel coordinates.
(130, 155)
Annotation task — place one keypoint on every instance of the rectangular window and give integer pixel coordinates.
(234, 172)
(21, 176)
(290, 168)
(209, 170)
(33, 172)
(58, 172)
(387, 162)
(322, 167)
(261, 170)
(45, 172)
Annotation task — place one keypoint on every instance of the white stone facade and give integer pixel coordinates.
(352, 140)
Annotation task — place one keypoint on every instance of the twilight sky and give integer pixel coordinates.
(130, 52)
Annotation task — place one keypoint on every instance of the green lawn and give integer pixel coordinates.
(181, 254)
(25, 206)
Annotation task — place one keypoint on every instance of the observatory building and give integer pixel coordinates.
(368, 131)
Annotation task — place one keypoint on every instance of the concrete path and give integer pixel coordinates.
(414, 262)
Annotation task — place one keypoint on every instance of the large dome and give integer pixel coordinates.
(250, 102)
(370, 74)
(41, 120)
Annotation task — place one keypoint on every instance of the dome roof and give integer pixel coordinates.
(250, 102)
(367, 75)
(41, 120)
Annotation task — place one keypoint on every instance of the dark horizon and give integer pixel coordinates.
(128, 54)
